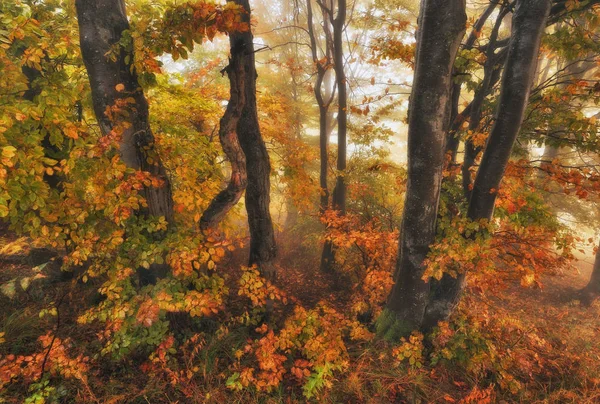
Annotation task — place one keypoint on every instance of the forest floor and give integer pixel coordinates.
(571, 330)
(552, 313)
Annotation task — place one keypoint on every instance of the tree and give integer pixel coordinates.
(438, 38)
(228, 136)
(339, 23)
(529, 22)
(490, 70)
(452, 140)
(120, 106)
(263, 248)
(118, 99)
(338, 202)
(324, 97)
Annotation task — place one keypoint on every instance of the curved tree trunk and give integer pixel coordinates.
(529, 21)
(262, 237)
(229, 197)
(441, 28)
(101, 25)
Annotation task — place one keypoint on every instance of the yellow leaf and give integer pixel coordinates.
(8, 151)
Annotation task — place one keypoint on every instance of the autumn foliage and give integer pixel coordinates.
(82, 324)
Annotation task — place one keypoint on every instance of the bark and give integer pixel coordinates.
(324, 100)
(452, 141)
(471, 150)
(339, 191)
(229, 197)
(441, 28)
(458, 121)
(101, 25)
(262, 237)
(529, 21)
(324, 157)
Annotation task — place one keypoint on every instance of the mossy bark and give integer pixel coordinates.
(440, 30)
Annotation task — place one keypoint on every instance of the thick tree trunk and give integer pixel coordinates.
(262, 237)
(101, 25)
(229, 197)
(529, 21)
(441, 28)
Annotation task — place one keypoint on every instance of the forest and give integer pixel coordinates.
(282, 201)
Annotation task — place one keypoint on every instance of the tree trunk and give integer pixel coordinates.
(323, 99)
(529, 21)
(471, 150)
(228, 126)
(324, 156)
(441, 28)
(101, 25)
(339, 191)
(452, 141)
(262, 237)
